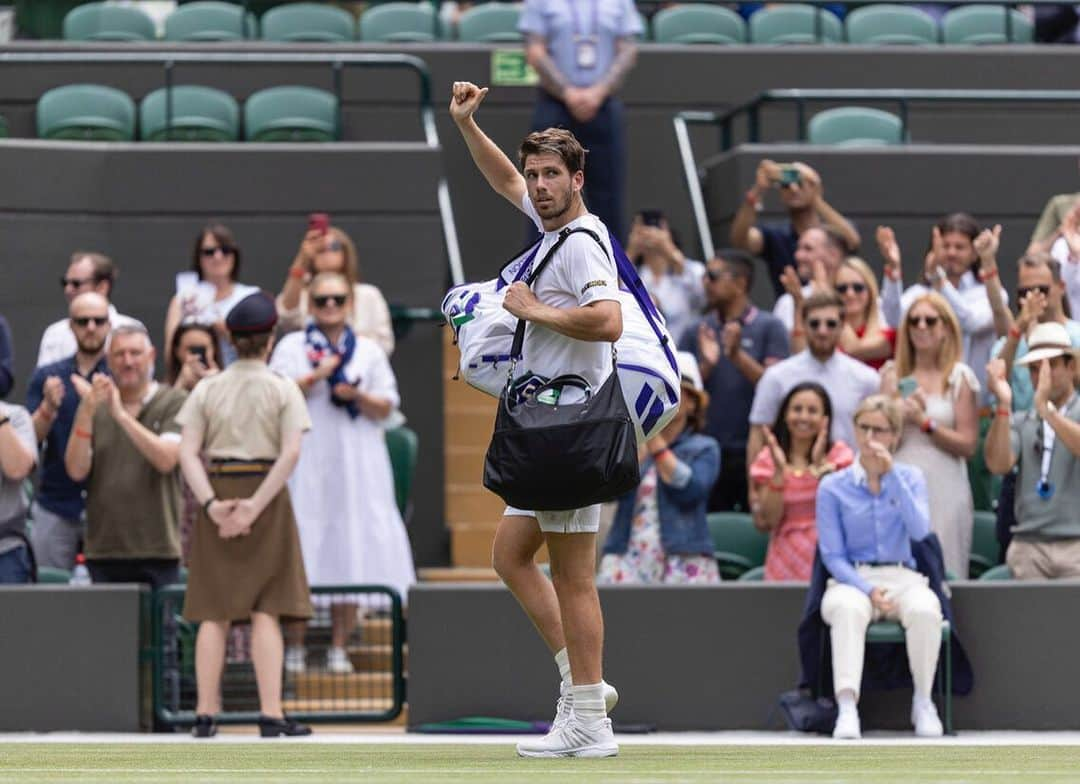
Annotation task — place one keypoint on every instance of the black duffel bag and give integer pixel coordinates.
(553, 455)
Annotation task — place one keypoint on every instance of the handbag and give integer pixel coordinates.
(546, 454)
(805, 713)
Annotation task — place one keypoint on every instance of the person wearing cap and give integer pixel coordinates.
(1043, 445)
(245, 560)
(660, 534)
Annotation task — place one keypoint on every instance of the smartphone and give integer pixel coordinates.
(789, 175)
(318, 221)
(907, 386)
(652, 217)
(200, 352)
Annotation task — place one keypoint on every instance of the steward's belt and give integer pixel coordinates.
(230, 467)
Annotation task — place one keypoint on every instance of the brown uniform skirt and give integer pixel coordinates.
(229, 579)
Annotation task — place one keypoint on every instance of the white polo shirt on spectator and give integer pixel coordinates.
(58, 341)
(848, 381)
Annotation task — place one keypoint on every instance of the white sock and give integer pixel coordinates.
(921, 699)
(589, 701)
(562, 661)
(845, 701)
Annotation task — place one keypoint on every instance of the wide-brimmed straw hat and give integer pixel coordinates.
(1046, 341)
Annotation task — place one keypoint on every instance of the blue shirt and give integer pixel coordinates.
(855, 525)
(563, 23)
(731, 394)
(57, 491)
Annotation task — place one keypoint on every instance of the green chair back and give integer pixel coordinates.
(403, 446)
(199, 114)
(103, 22)
(291, 114)
(43, 18)
(891, 24)
(399, 23)
(738, 545)
(985, 24)
(985, 549)
(89, 112)
(697, 23)
(490, 23)
(308, 22)
(755, 575)
(51, 575)
(794, 24)
(855, 126)
(210, 21)
(999, 572)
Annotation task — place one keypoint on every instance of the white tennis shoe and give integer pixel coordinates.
(564, 708)
(847, 726)
(925, 718)
(574, 738)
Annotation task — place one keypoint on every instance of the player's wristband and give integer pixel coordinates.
(1003, 412)
(660, 452)
(1014, 332)
(985, 275)
(297, 273)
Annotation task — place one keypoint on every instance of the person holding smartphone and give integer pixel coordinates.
(194, 355)
(672, 280)
(326, 248)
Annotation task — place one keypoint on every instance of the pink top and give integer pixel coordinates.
(792, 543)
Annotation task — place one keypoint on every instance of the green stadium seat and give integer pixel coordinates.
(985, 549)
(43, 18)
(985, 24)
(697, 23)
(855, 126)
(90, 112)
(399, 23)
(104, 22)
(199, 114)
(794, 24)
(403, 446)
(999, 572)
(51, 575)
(210, 21)
(490, 23)
(891, 24)
(291, 114)
(891, 632)
(308, 22)
(755, 575)
(738, 545)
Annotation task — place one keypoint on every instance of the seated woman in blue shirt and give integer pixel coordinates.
(867, 516)
(659, 534)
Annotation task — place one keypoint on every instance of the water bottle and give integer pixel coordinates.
(80, 575)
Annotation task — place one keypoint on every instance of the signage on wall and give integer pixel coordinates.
(509, 68)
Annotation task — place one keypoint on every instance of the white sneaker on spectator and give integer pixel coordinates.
(924, 717)
(295, 659)
(574, 738)
(337, 660)
(564, 708)
(847, 726)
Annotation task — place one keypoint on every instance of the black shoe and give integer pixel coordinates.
(272, 728)
(204, 726)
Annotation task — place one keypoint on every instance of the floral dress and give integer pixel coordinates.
(645, 560)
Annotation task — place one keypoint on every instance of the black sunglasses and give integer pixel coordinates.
(717, 274)
(75, 282)
(857, 288)
(929, 321)
(208, 253)
(1023, 291)
(818, 323)
(323, 300)
(85, 321)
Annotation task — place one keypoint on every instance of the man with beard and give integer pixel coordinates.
(53, 397)
(573, 316)
(125, 445)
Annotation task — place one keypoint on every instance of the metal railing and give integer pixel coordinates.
(373, 692)
(337, 62)
(799, 98)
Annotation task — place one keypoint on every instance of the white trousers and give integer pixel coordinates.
(848, 612)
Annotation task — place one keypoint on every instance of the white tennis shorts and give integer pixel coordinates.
(571, 521)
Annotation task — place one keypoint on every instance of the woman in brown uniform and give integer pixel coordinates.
(245, 560)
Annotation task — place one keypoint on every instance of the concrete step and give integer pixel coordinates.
(377, 658)
(316, 685)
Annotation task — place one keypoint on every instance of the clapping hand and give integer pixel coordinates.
(708, 347)
(997, 384)
(820, 449)
(778, 457)
(82, 386)
(731, 338)
(889, 249)
(1070, 230)
(1042, 390)
(1032, 308)
(986, 245)
(52, 392)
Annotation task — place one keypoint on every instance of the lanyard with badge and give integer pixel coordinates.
(1044, 487)
(585, 54)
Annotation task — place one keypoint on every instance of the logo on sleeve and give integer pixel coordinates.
(593, 283)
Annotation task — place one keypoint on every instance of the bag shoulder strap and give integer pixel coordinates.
(519, 332)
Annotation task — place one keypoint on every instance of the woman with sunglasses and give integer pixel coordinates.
(941, 421)
(868, 515)
(216, 264)
(865, 337)
(343, 487)
(331, 250)
(784, 477)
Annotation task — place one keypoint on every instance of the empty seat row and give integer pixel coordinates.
(294, 22)
(278, 114)
(698, 23)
